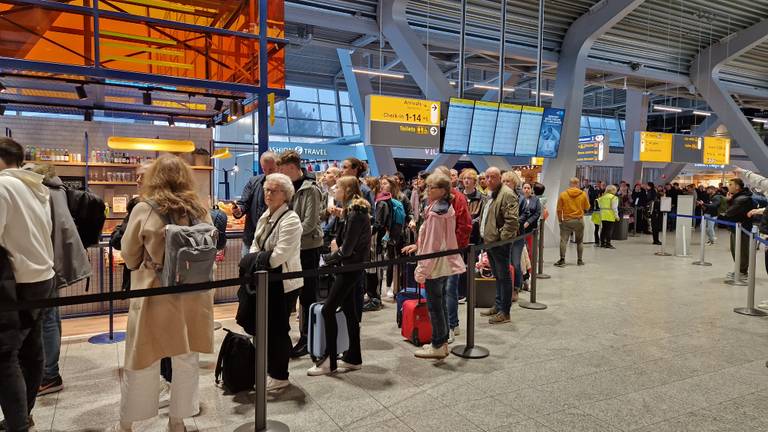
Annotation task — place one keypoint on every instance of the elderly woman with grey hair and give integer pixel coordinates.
(276, 245)
(608, 204)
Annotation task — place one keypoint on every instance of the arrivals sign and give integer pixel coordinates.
(402, 122)
(591, 148)
(664, 147)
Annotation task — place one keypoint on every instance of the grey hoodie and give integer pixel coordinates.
(25, 225)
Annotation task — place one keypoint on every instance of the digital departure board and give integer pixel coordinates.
(551, 130)
(483, 127)
(507, 124)
(529, 131)
(457, 129)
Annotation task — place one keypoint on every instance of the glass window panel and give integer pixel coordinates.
(328, 112)
(344, 98)
(327, 96)
(306, 128)
(584, 121)
(304, 94)
(280, 126)
(331, 129)
(584, 132)
(596, 122)
(280, 109)
(348, 129)
(355, 129)
(302, 110)
(346, 114)
(610, 124)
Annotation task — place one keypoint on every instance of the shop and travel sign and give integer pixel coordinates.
(402, 122)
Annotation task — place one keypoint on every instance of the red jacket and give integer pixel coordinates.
(463, 218)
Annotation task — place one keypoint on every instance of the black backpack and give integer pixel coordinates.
(87, 210)
(236, 363)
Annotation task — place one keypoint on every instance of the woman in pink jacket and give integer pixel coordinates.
(437, 234)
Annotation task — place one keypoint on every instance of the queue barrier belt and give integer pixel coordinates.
(204, 286)
(746, 232)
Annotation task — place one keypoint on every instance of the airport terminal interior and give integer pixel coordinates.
(585, 179)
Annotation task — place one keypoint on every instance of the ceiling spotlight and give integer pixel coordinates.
(667, 108)
(2, 88)
(372, 72)
(171, 123)
(88, 115)
(81, 94)
(702, 113)
(147, 98)
(218, 105)
(235, 110)
(491, 87)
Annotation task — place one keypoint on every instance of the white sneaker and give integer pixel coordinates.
(451, 336)
(763, 305)
(165, 393)
(343, 366)
(276, 384)
(323, 369)
(430, 352)
(462, 300)
(456, 331)
(390, 293)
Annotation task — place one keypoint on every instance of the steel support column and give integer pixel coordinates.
(637, 120)
(569, 91)
(704, 72)
(380, 160)
(441, 159)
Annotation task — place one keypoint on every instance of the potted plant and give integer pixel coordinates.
(201, 157)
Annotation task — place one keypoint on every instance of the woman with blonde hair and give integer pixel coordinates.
(179, 326)
(353, 238)
(437, 234)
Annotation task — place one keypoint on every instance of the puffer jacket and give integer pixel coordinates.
(437, 234)
(308, 203)
(70, 259)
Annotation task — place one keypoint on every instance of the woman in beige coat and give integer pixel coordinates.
(178, 325)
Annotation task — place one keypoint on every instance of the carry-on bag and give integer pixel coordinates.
(234, 367)
(417, 327)
(316, 342)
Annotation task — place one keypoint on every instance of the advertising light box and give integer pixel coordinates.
(458, 126)
(483, 128)
(551, 130)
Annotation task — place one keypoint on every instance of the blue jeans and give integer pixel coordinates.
(517, 253)
(51, 341)
(711, 229)
(438, 311)
(499, 258)
(452, 300)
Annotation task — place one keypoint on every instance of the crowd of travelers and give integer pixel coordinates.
(295, 220)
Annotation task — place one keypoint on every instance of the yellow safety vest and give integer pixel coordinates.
(605, 203)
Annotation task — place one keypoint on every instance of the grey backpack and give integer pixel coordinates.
(190, 252)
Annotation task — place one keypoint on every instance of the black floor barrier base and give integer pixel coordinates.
(533, 306)
(704, 264)
(272, 426)
(750, 311)
(475, 352)
(662, 254)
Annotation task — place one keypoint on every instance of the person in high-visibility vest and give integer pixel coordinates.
(608, 204)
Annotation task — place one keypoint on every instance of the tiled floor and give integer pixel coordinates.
(632, 341)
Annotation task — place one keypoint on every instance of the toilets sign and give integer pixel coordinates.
(402, 122)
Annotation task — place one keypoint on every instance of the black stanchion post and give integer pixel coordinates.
(470, 351)
(750, 309)
(261, 424)
(111, 290)
(532, 304)
(540, 271)
(111, 336)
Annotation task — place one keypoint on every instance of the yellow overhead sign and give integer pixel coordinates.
(717, 151)
(403, 110)
(655, 147)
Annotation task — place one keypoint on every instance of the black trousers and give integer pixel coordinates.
(744, 262)
(597, 234)
(342, 295)
(22, 359)
(607, 232)
(278, 328)
(372, 285)
(310, 260)
(656, 229)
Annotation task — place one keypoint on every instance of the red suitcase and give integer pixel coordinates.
(417, 328)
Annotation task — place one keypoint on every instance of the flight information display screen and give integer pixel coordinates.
(458, 126)
(507, 124)
(551, 130)
(529, 131)
(483, 127)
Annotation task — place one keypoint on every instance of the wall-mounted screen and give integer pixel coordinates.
(507, 123)
(551, 130)
(483, 126)
(457, 128)
(529, 131)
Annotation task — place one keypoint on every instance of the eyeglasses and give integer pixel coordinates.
(271, 191)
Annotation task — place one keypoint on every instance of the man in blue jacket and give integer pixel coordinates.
(251, 203)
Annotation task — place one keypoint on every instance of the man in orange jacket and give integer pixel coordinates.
(571, 205)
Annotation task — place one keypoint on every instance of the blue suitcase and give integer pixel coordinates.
(316, 342)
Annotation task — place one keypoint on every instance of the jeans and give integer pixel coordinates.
(567, 227)
(21, 359)
(452, 300)
(499, 258)
(711, 229)
(342, 294)
(517, 253)
(438, 311)
(51, 341)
